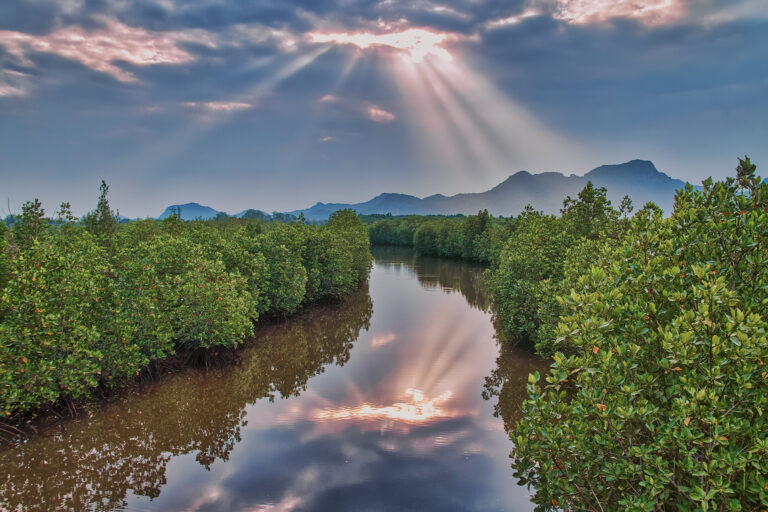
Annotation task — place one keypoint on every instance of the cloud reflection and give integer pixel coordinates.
(418, 409)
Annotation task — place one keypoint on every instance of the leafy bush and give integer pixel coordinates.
(285, 280)
(476, 237)
(337, 256)
(87, 308)
(659, 400)
(57, 331)
(168, 287)
(5, 263)
(532, 266)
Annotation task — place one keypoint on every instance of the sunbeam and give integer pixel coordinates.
(160, 151)
(460, 111)
(459, 119)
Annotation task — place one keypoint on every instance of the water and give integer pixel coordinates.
(374, 404)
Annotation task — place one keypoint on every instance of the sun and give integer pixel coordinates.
(413, 45)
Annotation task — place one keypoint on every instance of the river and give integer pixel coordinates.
(396, 399)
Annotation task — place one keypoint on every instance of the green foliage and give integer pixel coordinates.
(31, 225)
(57, 329)
(657, 396)
(82, 309)
(530, 262)
(170, 290)
(102, 222)
(337, 256)
(285, 282)
(475, 238)
(5, 263)
(532, 265)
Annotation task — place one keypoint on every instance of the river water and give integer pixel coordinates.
(396, 399)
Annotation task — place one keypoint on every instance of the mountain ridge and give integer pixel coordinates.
(639, 179)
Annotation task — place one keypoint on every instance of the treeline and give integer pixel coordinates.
(658, 391)
(541, 250)
(526, 254)
(87, 304)
(475, 237)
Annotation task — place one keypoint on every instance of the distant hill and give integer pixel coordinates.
(190, 211)
(639, 179)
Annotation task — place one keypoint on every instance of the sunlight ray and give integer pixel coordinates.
(485, 156)
(161, 150)
(434, 139)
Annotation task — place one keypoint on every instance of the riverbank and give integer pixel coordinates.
(85, 310)
(381, 391)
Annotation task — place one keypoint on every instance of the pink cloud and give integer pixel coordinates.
(329, 98)
(327, 138)
(101, 49)
(382, 338)
(379, 115)
(413, 44)
(649, 12)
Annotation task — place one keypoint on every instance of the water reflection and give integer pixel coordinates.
(338, 409)
(439, 273)
(506, 385)
(125, 447)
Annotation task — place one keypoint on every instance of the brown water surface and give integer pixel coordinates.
(371, 405)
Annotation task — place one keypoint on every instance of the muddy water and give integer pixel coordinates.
(374, 404)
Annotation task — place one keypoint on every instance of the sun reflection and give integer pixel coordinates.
(418, 409)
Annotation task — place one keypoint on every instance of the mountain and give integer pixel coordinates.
(639, 179)
(190, 211)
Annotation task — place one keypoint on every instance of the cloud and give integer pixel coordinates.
(329, 98)
(382, 338)
(510, 20)
(102, 49)
(369, 110)
(648, 12)
(327, 138)
(217, 106)
(210, 111)
(13, 83)
(379, 115)
(413, 44)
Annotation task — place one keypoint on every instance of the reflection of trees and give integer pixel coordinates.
(93, 462)
(447, 274)
(508, 380)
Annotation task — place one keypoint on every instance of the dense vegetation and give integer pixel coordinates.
(475, 237)
(657, 329)
(85, 305)
(526, 254)
(127, 450)
(657, 394)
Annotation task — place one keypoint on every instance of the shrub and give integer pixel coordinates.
(661, 402)
(57, 334)
(169, 288)
(285, 280)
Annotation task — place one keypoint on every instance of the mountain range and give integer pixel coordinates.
(639, 179)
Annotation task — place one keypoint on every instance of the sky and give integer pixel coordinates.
(276, 104)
